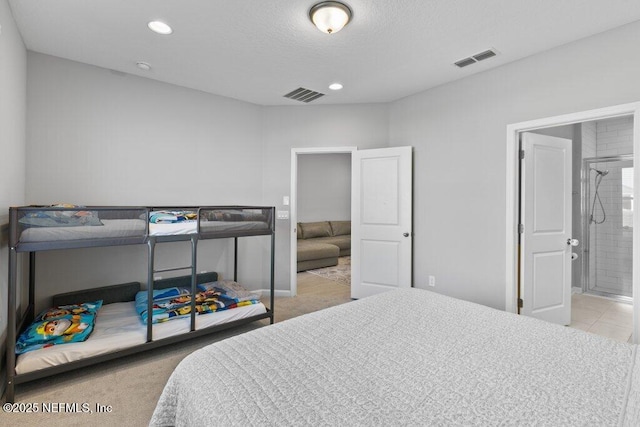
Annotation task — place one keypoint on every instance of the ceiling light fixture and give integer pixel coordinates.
(143, 66)
(335, 86)
(330, 16)
(160, 27)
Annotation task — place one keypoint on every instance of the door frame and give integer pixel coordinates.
(513, 192)
(293, 208)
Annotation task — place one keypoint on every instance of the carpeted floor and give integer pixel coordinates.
(132, 385)
(340, 273)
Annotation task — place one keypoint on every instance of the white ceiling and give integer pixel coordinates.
(259, 50)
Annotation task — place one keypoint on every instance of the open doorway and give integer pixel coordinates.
(601, 213)
(516, 238)
(321, 221)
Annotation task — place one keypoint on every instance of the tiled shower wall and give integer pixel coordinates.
(610, 249)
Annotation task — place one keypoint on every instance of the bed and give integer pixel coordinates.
(39, 226)
(119, 327)
(116, 330)
(407, 357)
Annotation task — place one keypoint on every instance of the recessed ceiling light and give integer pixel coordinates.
(159, 27)
(335, 86)
(143, 66)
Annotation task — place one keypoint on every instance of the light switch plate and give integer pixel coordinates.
(283, 215)
(285, 200)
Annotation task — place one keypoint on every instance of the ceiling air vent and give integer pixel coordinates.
(465, 62)
(476, 58)
(484, 55)
(304, 95)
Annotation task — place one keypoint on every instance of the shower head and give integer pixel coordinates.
(599, 172)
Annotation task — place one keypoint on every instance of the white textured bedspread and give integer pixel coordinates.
(407, 357)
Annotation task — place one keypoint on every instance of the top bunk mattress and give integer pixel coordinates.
(40, 228)
(110, 229)
(60, 226)
(120, 228)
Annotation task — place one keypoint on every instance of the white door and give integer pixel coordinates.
(545, 275)
(381, 232)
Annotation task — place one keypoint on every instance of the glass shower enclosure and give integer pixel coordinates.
(607, 214)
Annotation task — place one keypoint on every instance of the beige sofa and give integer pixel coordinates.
(321, 243)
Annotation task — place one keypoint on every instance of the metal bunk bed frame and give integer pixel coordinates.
(16, 322)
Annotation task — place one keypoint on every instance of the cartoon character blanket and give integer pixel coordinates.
(59, 325)
(173, 303)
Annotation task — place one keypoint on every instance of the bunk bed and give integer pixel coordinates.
(119, 329)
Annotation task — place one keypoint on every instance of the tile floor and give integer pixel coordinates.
(602, 316)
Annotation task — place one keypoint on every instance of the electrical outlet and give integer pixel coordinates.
(432, 280)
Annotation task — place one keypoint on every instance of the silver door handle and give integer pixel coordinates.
(405, 234)
(573, 242)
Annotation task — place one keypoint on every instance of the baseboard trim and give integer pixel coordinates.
(277, 293)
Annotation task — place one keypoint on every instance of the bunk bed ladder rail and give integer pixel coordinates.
(16, 321)
(151, 245)
(12, 306)
(273, 266)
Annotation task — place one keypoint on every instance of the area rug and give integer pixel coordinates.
(340, 273)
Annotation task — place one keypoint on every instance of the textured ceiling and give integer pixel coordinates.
(259, 50)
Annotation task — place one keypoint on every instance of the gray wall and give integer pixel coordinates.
(284, 128)
(566, 131)
(324, 187)
(458, 131)
(13, 88)
(97, 137)
(100, 137)
(105, 138)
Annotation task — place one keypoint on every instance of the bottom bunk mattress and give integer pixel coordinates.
(117, 327)
(406, 357)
